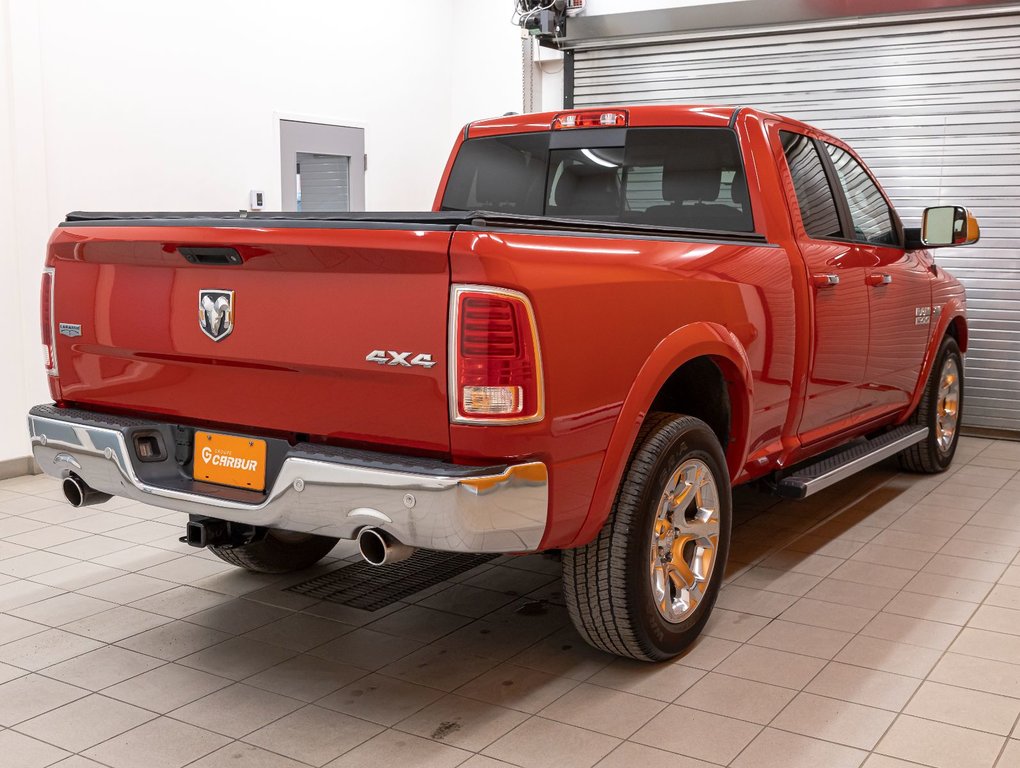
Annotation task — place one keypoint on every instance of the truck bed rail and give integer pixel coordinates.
(441, 220)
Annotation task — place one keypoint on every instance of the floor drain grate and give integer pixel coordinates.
(371, 587)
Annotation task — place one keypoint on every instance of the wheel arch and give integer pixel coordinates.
(699, 370)
(957, 328)
(952, 322)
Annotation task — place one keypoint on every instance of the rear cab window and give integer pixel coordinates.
(686, 178)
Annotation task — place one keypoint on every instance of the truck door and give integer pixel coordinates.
(838, 291)
(899, 290)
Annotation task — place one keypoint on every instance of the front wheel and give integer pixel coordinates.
(277, 552)
(645, 587)
(940, 409)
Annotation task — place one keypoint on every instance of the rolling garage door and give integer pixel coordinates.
(932, 103)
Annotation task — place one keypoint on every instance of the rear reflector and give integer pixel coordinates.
(616, 118)
(495, 366)
(46, 323)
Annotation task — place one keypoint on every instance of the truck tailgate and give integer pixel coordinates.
(310, 303)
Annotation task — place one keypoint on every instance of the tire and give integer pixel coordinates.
(935, 453)
(277, 552)
(610, 584)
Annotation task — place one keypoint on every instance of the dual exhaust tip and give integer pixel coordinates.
(380, 548)
(374, 544)
(79, 494)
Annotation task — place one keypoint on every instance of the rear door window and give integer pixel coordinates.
(872, 217)
(815, 199)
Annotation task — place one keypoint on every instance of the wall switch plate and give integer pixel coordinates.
(256, 200)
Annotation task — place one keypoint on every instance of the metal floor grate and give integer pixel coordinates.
(371, 587)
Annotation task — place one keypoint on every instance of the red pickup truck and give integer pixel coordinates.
(610, 318)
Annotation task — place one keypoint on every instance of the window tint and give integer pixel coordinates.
(585, 182)
(872, 218)
(505, 174)
(814, 195)
(690, 178)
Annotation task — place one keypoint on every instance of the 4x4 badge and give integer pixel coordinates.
(384, 357)
(216, 313)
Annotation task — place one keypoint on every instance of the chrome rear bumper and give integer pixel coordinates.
(318, 489)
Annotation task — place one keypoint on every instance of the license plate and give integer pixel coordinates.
(230, 460)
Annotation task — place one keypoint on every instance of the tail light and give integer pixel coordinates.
(46, 321)
(495, 365)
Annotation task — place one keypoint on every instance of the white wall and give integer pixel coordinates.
(485, 64)
(155, 108)
(126, 105)
(12, 336)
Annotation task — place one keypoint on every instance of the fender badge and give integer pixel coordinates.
(70, 329)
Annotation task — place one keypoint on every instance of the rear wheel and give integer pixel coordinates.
(940, 409)
(645, 587)
(277, 552)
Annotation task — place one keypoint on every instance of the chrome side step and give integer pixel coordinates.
(814, 477)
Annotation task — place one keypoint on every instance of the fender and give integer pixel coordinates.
(952, 311)
(681, 346)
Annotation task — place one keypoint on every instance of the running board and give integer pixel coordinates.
(814, 477)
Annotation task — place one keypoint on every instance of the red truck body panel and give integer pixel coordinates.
(311, 304)
(617, 315)
(602, 313)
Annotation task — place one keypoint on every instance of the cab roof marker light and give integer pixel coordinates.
(615, 118)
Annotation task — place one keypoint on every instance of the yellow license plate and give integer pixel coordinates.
(230, 460)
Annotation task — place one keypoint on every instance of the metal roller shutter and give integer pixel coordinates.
(324, 182)
(932, 103)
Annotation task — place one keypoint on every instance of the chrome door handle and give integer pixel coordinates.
(825, 281)
(879, 279)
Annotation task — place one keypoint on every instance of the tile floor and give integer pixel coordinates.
(877, 624)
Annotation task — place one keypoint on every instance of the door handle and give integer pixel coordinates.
(879, 279)
(825, 281)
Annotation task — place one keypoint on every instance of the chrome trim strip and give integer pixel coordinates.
(505, 512)
(54, 370)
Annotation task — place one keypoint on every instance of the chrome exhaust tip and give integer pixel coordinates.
(79, 494)
(380, 548)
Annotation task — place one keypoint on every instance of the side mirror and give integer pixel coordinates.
(948, 225)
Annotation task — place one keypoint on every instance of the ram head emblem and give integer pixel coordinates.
(216, 313)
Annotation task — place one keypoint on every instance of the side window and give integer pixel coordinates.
(814, 196)
(872, 218)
